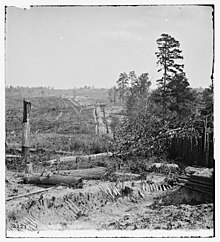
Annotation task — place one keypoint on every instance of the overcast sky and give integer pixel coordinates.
(66, 47)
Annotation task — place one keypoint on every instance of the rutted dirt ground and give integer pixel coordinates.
(125, 214)
(100, 211)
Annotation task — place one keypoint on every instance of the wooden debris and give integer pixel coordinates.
(202, 184)
(29, 194)
(12, 156)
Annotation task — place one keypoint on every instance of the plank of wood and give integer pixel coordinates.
(12, 156)
(209, 194)
(29, 194)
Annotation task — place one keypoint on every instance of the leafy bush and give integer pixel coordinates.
(140, 138)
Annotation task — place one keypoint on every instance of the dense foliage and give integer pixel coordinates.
(174, 105)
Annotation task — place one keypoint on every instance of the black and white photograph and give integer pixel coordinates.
(109, 121)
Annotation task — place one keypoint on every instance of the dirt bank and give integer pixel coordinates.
(103, 205)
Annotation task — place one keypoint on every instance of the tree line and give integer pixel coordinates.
(173, 104)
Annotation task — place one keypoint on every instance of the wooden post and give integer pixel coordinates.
(205, 142)
(207, 151)
(26, 132)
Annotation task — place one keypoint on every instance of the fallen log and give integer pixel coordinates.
(67, 177)
(77, 158)
(52, 180)
(91, 173)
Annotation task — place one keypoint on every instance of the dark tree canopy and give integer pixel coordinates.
(180, 96)
(173, 109)
(167, 55)
(167, 60)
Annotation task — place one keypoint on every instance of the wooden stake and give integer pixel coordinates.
(205, 142)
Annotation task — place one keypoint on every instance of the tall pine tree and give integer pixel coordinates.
(167, 57)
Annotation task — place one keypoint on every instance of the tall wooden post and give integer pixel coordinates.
(205, 142)
(26, 130)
